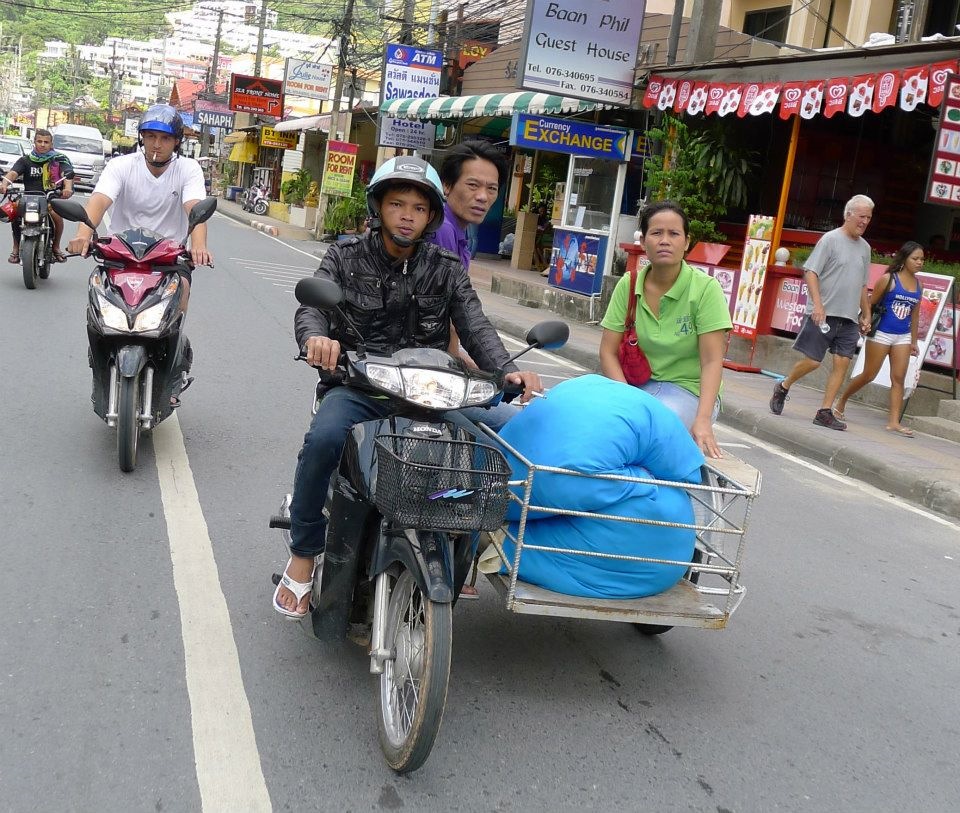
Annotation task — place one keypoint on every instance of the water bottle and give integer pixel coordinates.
(824, 328)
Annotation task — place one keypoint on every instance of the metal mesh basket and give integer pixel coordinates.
(447, 485)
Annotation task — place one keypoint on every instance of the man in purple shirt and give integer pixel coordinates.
(472, 174)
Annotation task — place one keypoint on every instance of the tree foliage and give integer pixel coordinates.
(703, 171)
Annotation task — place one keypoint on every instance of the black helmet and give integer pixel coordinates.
(163, 118)
(406, 169)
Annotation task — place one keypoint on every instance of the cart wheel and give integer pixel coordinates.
(659, 629)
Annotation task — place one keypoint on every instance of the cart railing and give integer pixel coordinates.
(722, 506)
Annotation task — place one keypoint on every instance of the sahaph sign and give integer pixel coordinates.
(586, 49)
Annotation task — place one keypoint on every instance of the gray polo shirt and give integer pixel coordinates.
(842, 263)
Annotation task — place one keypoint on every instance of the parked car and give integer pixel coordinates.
(10, 151)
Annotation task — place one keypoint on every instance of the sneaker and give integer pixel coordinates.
(825, 417)
(779, 398)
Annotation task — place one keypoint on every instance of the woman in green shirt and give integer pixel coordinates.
(682, 319)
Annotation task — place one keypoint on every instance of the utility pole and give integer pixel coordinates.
(333, 135)
(702, 34)
(262, 25)
(211, 88)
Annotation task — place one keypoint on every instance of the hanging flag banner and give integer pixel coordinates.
(943, 180)
(874, 92)
(582, 49)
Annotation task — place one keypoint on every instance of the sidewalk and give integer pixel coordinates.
(924, 470)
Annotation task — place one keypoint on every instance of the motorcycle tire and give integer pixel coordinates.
(413, 686)
(47, 259)
(260, 207)
(128, 423)
(29, 257)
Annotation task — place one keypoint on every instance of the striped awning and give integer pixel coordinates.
(438, 108)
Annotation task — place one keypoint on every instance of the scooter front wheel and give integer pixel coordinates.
(413, 686)
(30, 258)
(260, 207)
(128, 422)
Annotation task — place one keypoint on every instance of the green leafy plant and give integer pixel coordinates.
(702, 171)
(295, 189)
(347, 213)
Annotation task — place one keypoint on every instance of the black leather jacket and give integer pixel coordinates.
(402, 303)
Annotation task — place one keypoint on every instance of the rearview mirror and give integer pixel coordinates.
(201, 212)
(549, 335)
(71, 210)
(318, 292)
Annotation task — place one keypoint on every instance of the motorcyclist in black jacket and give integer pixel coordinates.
(399, 291)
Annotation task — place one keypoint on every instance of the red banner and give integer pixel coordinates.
(860, 97)
(653, 91)
(913, 91)
(885, 94)
(667, 94)
(938, 78)
(790, 99)
(835, 97)
(750, 92)
(731, 100)
(698, 98)
(766, 100)
(812, 102)
(684, 89)
(715, 95)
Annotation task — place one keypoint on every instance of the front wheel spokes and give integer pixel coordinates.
(408, 656)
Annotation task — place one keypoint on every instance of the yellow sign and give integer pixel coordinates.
(284, 141)
(338, 168)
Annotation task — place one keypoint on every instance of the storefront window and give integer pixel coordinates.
(593, 186)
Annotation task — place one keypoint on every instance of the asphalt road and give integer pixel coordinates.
(143, 668)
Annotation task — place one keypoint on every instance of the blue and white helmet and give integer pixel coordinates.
(163, 118)
(407, 169)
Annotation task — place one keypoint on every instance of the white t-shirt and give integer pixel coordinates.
(141, 200)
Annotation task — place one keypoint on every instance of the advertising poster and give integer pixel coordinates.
(410, 73)
(254, 94)
(791, 303)
(338, 168)
(727, 277)
(940, 352)
(582, 49)
(574, 261)
(936, 293)
(309, 80)
(753, 270)
(943, 184)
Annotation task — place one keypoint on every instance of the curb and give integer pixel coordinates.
(266, 228)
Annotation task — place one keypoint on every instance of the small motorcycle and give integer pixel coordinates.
(37, 229)
(404, 508)
(256, 199)
(138, 351)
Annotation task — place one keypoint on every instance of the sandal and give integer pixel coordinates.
(906, 431)
(838, 414)
(299, 590)
(14, 258)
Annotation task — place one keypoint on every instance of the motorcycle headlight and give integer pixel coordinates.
(113, 317)
(479, 392)
(31, 217)
(430, 388)
(150, 319)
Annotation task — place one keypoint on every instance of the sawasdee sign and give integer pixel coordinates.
(410, 73)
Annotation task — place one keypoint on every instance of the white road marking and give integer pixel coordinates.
(275, 239)
(542, 354)
(866, 488)
(224, 743)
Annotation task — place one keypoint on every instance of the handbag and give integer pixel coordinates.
(633, 361)
(877, 311)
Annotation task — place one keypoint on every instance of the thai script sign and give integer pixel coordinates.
(411, 73)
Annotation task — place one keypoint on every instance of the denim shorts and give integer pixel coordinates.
(683, 402)
(841, 340)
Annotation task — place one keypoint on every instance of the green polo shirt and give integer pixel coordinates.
(694, 305)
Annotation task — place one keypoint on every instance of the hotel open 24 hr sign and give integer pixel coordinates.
(585, 49)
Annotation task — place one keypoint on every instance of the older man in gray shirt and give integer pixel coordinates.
(838, 309)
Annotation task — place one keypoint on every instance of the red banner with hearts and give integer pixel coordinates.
(715, 95)
(835, 96)
(938, 79)
(790, 99)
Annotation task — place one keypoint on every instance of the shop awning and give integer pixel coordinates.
(439, 108)
(238, 136)
(244, 152)
(321, 122)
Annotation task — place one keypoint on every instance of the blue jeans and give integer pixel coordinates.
(683, 402)
(341, 409)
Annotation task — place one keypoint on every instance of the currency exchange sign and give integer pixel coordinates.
(584, 49)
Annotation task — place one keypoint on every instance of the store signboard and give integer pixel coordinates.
(131, 127)
(281, 141)
(404, 133)
(254, 94)
(308, 80)
(338, 168)
(943, 180)
(213, 114)
(571, 137)
(582, 48)
(410, 73)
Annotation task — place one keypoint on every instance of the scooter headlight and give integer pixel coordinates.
(430, 388)
(151, 318)
(31, 217)
(113, 317)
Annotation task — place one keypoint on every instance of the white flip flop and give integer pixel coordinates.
(299, 590)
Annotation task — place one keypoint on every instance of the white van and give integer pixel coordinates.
(84, 147)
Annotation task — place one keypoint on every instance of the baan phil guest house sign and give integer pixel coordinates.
(585, 49)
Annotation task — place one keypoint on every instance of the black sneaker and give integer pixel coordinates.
(825, 417)
(780, 396)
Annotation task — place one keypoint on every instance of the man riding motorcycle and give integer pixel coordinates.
(41, 170)
(399, 291)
